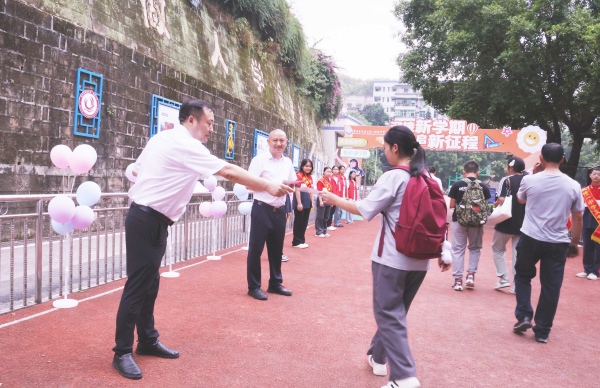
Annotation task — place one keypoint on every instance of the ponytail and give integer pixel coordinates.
(408, 145)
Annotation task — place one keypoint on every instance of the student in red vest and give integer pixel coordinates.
(337, 216)
(335, 185)
(322, 209)
(351, 192)
(591, 230)
(302, 204)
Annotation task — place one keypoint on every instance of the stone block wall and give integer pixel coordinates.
(43, 43)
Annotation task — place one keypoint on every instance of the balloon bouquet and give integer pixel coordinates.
(62, 210)
(218, 207)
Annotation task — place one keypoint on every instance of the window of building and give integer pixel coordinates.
(378, 88)
(405, 90)
(376, 99)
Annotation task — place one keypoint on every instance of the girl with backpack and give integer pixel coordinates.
(323, 209)
(396, 277)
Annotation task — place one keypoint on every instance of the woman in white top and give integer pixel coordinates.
(396, 278)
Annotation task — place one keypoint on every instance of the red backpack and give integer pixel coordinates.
(421, 228)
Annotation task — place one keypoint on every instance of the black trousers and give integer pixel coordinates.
(329, 220)
(146, 242)
(268, 226)
(591, 252)
(300, 224)
(552, 258)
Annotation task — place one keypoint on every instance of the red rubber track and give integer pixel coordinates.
(316, 338)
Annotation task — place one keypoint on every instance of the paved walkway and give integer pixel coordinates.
(316, 338)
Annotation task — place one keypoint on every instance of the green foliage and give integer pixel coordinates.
(507, 62)
(376, 115)
(322, 85)
(360, 117)
(356, 87)
(280, 32)
(374, 166)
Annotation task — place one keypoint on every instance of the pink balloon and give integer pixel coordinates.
(210, 183)
(60, 155)
(218, 193)
(218, 209)
(61, 209)
(83, 217)
(83, 158)
(205, 209)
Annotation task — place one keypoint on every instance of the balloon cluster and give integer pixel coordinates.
(218, 207)
(241, 192)
(63, 212)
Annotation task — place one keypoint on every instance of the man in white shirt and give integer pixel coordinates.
(167, 171)
(268, 217)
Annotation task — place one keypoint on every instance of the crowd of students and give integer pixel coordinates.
(335, 180)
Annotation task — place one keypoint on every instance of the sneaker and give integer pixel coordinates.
(582, 275)
(457, 286)
(339, 226)
(470, 283)
(592, 277)
(301, 246)
(378, 369)
(410, 382)
(320, 235)
(542, 340)
(284, 258)
(501, 284)
(512, 291)
(327, 235)
(331, 228)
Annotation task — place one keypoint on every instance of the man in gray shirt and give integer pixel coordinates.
(549, 196)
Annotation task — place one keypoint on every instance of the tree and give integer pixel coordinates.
(508, 62)
(359, 117)
(356, 87)
(376, 115)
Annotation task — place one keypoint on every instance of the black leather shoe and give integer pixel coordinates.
(157, 349)
(279, 289)
(522, 325)
(127, 367)
(257, 293)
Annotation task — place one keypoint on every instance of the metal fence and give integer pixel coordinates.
(34, 260)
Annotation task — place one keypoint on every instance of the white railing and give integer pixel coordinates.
(32, 255)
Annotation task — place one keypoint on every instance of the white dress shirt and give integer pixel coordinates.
(167, 171)
(266, 166)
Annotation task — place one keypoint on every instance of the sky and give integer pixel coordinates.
(360, 36)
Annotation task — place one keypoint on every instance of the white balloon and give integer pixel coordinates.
(205, 209)
(83, 158)
(245, 208)
(240, 191)
(61, 209)
(218, 193)
(218, 209)
(88, 193)
(129, 173)
(210, 183)
(83, 217)
(62, 228)
(199, 188)
(60, 155)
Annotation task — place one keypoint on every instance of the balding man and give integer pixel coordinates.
(269, 216)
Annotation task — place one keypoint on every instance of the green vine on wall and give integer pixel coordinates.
(269, 27)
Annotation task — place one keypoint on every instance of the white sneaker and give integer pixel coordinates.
(470, 283)
(582, 275)
(501, 284)
(331, 228)
(410, 382)
(512, 290)
(327, 235)
(378, 369)
(301, 246)
(592, 277)
(320, 235)
(284, 258)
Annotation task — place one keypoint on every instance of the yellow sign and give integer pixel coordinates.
(351, 142)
